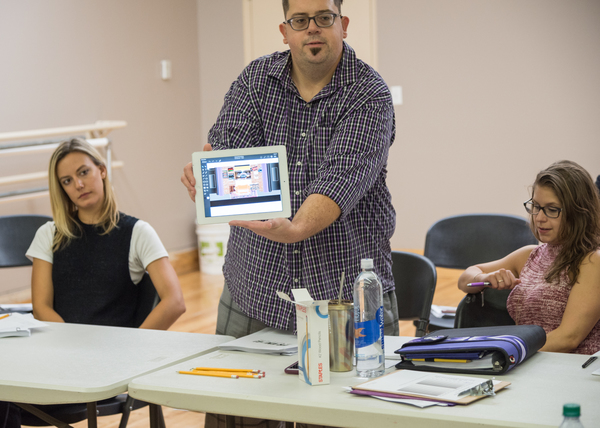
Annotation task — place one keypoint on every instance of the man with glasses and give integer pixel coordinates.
(335, 116)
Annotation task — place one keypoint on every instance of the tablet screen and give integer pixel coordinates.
(241, 184)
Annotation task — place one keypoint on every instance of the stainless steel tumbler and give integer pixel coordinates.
(341, 335)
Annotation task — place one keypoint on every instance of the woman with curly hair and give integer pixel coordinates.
(555, 284)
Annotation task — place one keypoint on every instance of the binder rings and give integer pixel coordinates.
(479, 350)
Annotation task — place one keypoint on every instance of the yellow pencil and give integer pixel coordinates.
(217, 369)
(214, 374)
(440, 360)
(240, 374)
(4, 316)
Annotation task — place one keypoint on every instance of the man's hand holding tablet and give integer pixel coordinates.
(315, 214)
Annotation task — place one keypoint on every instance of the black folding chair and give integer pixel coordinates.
(415, 277)
(16, 234)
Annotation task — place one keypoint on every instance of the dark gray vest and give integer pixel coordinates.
(92, 283)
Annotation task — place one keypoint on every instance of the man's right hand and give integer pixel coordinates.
(188, 179)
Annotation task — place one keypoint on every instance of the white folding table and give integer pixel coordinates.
(535, 398)
(75, 363)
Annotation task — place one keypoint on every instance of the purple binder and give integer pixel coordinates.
(488, 350)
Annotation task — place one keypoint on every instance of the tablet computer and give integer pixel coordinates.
(241, 184)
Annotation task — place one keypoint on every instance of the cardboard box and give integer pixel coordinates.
(312, 322)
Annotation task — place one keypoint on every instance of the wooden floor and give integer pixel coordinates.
(201, 293)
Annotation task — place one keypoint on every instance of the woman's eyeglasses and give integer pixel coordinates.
(550, 212)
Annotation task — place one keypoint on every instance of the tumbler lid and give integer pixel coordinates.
(366, 264)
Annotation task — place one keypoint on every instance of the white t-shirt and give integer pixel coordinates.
(145, 247)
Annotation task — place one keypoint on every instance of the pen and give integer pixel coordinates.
(479, 284)
(588, 362)
(4, 316)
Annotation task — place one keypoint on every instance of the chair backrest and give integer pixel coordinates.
(16, 234)
(147, 299)
(415, 278)
(472, 312)
(465, 240)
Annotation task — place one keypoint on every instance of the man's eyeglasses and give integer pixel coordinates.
(323, 20)
(550, 212)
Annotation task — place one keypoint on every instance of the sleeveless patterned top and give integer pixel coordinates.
(535, 301)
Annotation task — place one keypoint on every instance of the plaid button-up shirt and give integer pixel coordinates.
(337, 145)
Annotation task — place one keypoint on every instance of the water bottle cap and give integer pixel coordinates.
(366, 264)
(571, 410)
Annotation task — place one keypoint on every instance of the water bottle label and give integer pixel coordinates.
(368, 332)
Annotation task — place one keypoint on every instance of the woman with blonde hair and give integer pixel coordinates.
(555, 284)
(87, 262)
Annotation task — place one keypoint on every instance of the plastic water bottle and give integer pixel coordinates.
(368, 322)
(571, 412)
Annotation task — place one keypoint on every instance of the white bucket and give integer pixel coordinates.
(212, 246)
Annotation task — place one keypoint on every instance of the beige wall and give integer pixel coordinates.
(71, 62)
(494, 90)
(67, 62)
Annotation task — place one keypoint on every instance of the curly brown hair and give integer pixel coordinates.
(579, 234)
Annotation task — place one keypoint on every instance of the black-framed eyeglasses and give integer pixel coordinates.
(550, 212)
(323, 20)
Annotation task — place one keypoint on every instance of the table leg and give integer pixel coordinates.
(92, 415)
(157, 419)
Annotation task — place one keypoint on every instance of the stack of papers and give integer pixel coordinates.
(433, 387)
(15, 324)
(266, 341)
(443, 311)
(23, 308)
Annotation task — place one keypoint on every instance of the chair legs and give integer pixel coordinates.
(57, 414)
(421, 327)
(157, 419)
(43, 415)
(126, 411)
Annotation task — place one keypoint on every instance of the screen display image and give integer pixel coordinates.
(241, 185)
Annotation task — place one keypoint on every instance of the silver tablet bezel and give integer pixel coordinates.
(283, 175)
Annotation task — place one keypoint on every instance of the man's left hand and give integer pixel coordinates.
(277, 229)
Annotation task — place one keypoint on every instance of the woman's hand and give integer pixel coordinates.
(501, 279)
(501, 274)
